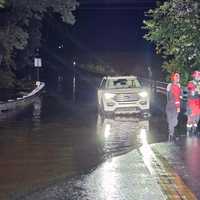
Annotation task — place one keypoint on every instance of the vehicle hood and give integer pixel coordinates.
(124, 91)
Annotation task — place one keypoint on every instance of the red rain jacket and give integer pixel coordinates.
(193, 99)
(174, 91)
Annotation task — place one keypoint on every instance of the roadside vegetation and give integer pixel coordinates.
(99, 69)
(20, 34)
(174, 29)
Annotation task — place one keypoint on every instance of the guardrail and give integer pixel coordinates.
(12, 104)
(158, 86)
(161, 87)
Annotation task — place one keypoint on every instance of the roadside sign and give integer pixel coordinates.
(37, 62)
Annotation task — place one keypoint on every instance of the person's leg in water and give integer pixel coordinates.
(198, 123)
(192, 124)
(195, 125)
(172, 119)
(189, 124)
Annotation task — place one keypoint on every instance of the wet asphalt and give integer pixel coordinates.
(56, 149)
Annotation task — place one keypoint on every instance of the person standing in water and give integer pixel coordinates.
(193, 103)
(173, 103)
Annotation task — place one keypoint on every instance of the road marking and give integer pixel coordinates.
(171, 183)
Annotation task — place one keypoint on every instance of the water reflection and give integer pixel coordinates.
(192, 155)
(70, 140)
(34, 103)
(120, 134)
(109, 180)
(37, 107)
(9, 114)
(60, 84)
(146, 150)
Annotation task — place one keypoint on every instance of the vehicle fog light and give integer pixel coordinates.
(110, 104)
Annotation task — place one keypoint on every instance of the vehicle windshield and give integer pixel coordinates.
(122, 83)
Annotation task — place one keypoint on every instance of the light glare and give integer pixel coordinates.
(143, 94)
(108, 95)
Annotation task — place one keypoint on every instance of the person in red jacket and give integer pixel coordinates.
(173, 102)
(193, 103)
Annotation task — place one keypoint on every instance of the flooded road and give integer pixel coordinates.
(55, 139)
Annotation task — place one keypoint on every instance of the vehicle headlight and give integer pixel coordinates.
(143, 94)
(109, 95)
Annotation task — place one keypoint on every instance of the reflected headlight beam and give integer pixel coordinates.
(107, 130)
(143, 136)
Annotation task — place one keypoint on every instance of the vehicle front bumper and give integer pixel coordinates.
(127, 107)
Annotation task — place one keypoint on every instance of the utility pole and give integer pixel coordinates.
(37, 64)
(74, 81)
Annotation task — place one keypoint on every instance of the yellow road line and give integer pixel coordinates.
(171, 183)
(174, 187)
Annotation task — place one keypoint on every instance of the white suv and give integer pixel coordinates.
(122, 95)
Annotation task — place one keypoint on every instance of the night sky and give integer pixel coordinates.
(111, 25)
(109, 31)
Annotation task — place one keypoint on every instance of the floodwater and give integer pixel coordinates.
(55, 138)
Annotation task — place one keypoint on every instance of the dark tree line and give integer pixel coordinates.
(174, 28)
(20, 32)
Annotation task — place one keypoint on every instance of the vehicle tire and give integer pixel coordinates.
(104, 113)
(101, 108)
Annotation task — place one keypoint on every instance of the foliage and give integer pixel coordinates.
(2, 3)
(100, 69)
(20, 27)
(7, 79)
(174, 28)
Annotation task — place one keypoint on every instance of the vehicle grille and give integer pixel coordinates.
(127, 110)
(126, 97)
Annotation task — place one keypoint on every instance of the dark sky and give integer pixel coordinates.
(110, 31)
(112, 25)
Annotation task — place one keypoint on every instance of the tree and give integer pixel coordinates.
(174, 29)
(99, 68)
(2, 3)
(20, 26)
